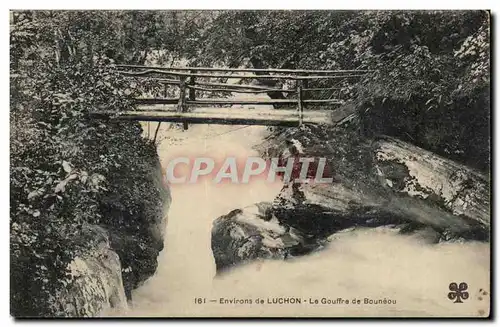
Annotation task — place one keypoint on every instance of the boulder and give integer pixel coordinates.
(138, 241)
(414, 172)
(94, 283)
(377, 182)
(254, 232)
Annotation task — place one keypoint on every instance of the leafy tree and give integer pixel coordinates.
(69, 171)
(430, 82)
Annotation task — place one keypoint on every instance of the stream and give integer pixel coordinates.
(373, 264)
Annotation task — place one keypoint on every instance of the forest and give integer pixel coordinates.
(429, 86)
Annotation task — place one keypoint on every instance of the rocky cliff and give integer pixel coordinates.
(95, 281)
(107, 256)
(123, 257)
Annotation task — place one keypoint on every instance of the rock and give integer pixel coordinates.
(425, 234)
(158, 223)
(397, 180)
(138, 255)
(138, 239)
(254, 232)
(418, 173)
(95, 281)
(317, 213)
(125, 255)
(378, 182)
(122, 258)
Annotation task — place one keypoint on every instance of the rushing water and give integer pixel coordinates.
(376, 264)
(373, 264)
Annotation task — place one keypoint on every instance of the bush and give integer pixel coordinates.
(68, 170)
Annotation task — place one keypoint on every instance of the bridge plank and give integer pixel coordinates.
(226, 116)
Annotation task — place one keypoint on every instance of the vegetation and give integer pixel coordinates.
(68, 171)
(431, 81)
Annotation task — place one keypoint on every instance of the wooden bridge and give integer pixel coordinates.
(290, 100)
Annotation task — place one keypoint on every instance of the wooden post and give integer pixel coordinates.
(181, 105)
(300, 103)
(192, 91)
(305, 85)
(156, 132)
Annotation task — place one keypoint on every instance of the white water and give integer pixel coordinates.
(373, 263)
(186, 265)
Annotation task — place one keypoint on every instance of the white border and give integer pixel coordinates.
(199, 4)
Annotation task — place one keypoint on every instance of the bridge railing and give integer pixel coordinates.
(189, 80)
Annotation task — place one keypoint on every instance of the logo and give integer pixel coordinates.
(458, 292)
(235, 170)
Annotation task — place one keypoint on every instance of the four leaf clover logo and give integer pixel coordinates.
(458, 292)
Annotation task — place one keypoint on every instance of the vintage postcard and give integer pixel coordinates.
(250, 163)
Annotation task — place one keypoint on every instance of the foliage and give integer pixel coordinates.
(64, 164)
(429, 85)
(430, 82)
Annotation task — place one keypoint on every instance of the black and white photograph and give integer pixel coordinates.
(250, 163)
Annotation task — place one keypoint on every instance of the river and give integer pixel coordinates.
(374, 264)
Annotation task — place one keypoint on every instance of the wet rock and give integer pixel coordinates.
(378, 182)
(138, 242)
(387, 177)
(138, 255)
(423, 233)
(254, 232)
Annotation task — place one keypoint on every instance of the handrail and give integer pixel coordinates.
(266, 90)
(231, 87)
(238, 86)
(232, 101)
(185, 78)
(255, 70)
(323, 89)
(261, 102)
(161, 80)
(290, 77)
